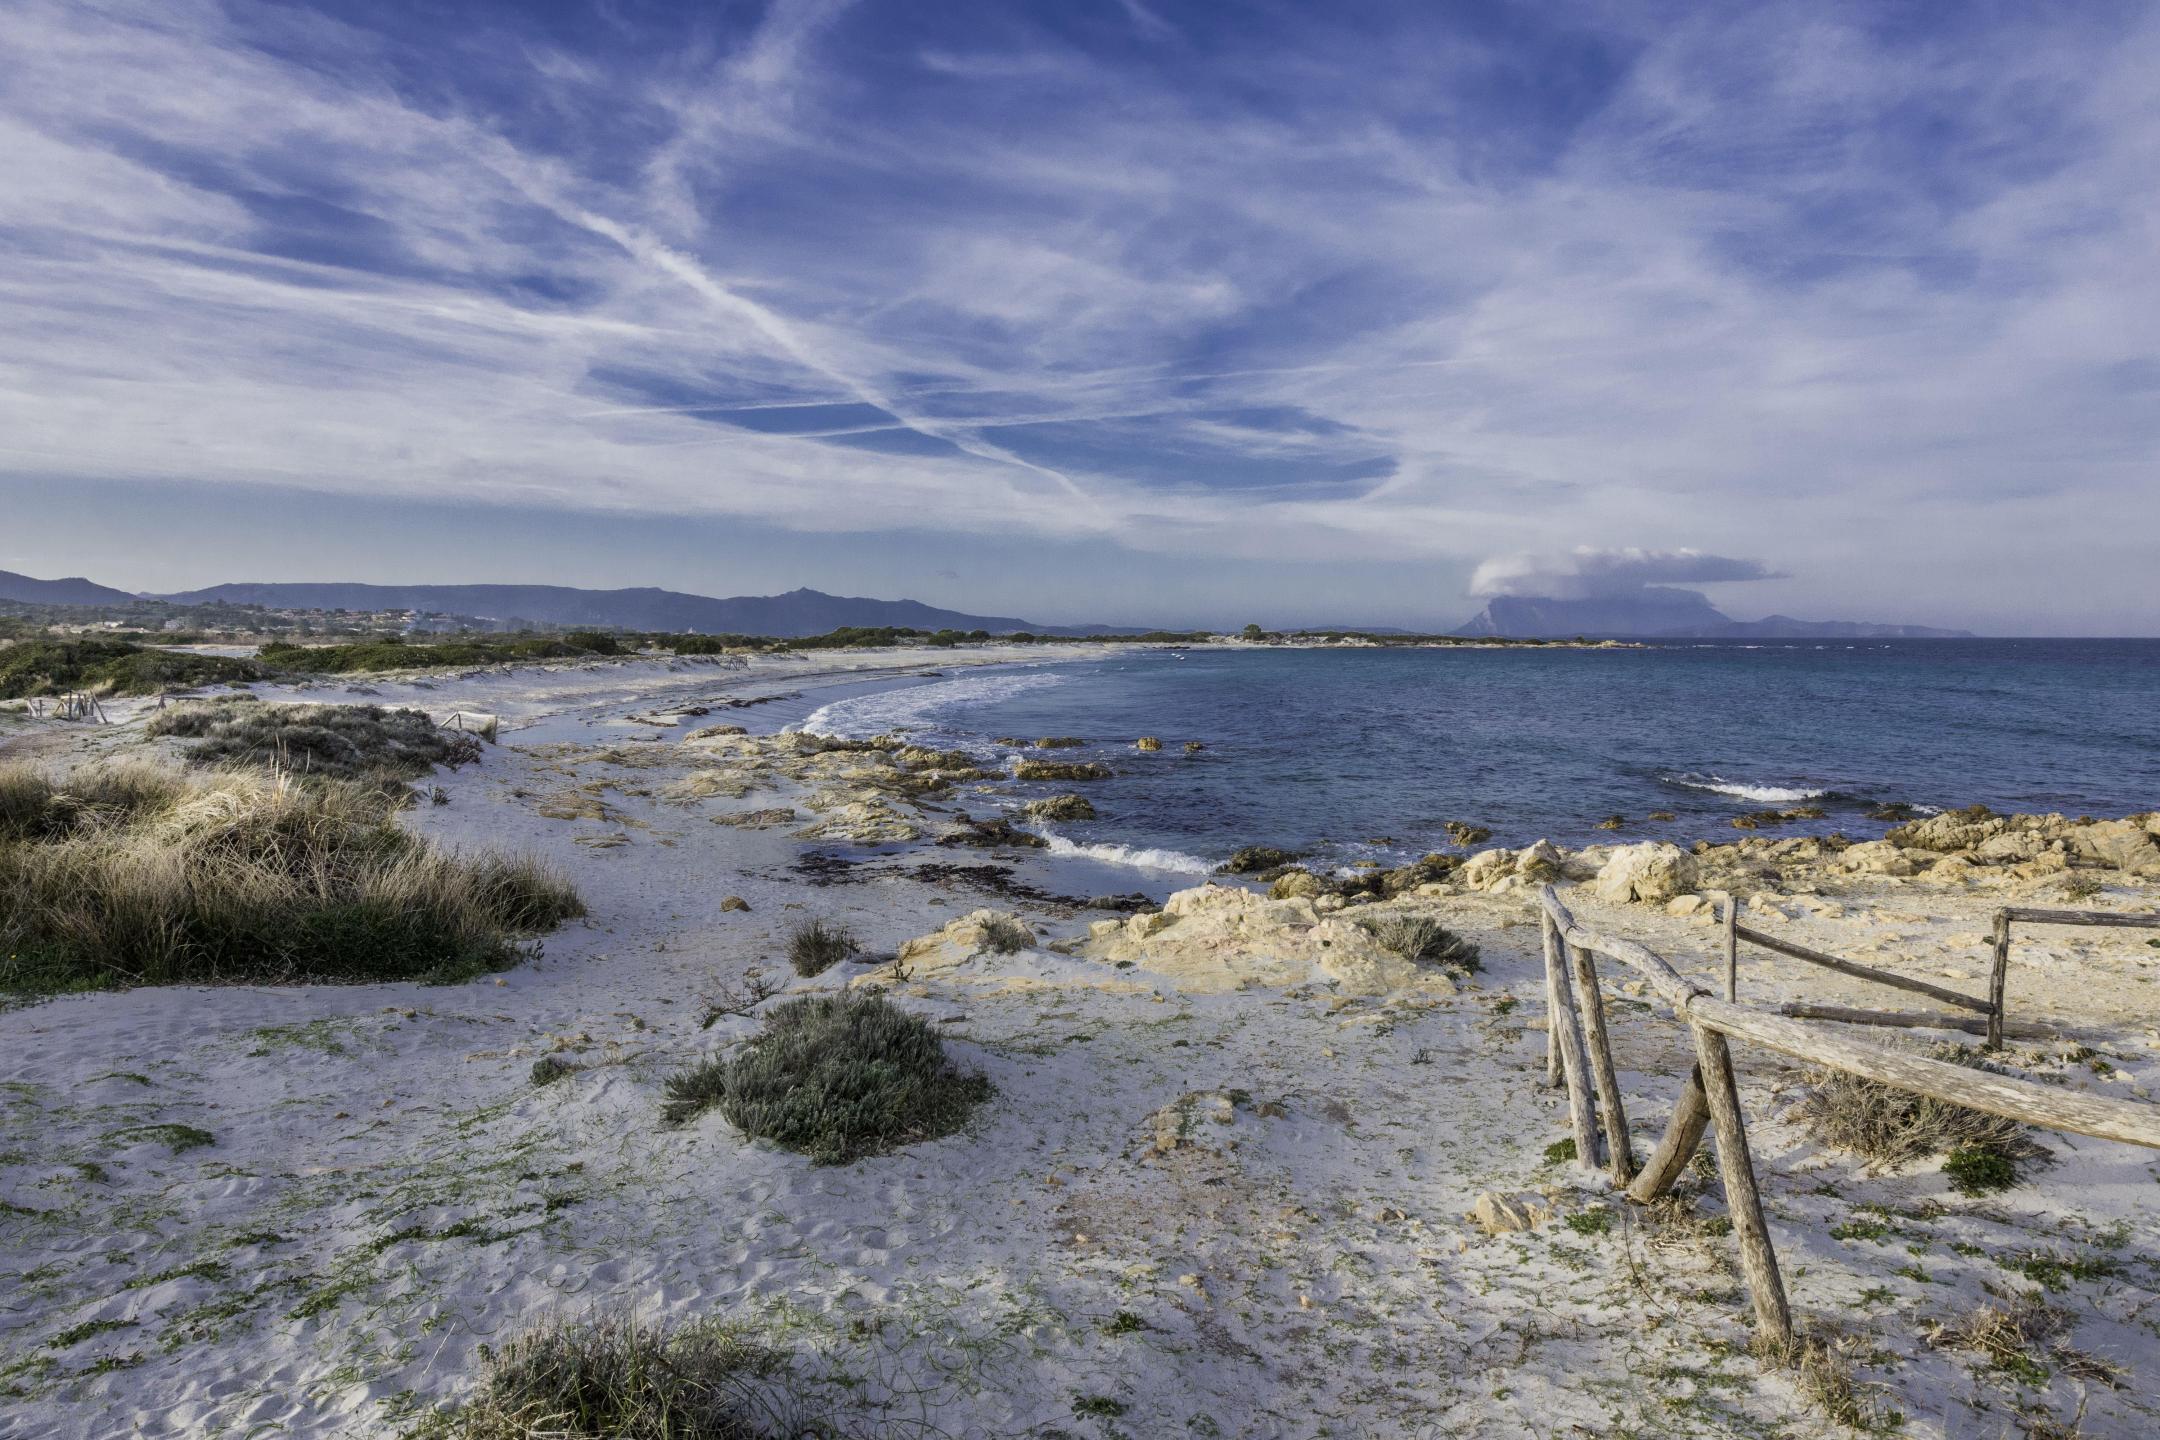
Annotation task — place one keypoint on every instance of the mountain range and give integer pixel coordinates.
(74, 590)
(797, 613)
(1659, 612)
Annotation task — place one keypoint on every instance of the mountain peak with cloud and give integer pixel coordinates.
(1615, 593)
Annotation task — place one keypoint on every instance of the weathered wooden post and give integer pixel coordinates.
(1732, 947)
(1619, 1154)
(1567, 1031)
(1998, 980)
(1690, 1117)
(1553, 1073)
(1742, 1201)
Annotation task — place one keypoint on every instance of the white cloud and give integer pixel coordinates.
(1584, 346)
(1586, 571)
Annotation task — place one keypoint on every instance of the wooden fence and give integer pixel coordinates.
(1580, 1055)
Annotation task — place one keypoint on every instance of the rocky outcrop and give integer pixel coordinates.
(1652, 872)
(1059, 807)
(1066, 770)
(1218, 938)
(1256, 859)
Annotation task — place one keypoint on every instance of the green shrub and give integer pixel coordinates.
(614, 1378)
(1421, 940)
(109, 667)
(1003, 935)
(1980, 1169)
(835, 1077)
(814, 947)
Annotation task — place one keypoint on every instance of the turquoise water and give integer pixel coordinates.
(1358, 754)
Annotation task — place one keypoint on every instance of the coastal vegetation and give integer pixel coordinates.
(834, 1077)
(38, 666)
(615, 1376)
(815, 946)
(126, 874)
(1422, 940)
(394, 652)
(346, 742)
(1891, 1128)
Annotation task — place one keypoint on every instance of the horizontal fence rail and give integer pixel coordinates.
(1581, 1057)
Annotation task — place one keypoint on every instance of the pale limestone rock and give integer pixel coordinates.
(1876, 857)
(1498, 1214)
(1652, 872)
(959, 942)
(1482, 870)
(1685, 906)
(2124, 844)
(1217, 938)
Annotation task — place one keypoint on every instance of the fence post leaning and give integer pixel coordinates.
(1619, 1154)
(1683, 1136)
(1743, 1202)
(1566, 1027)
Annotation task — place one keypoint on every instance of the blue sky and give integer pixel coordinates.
(1117, 310)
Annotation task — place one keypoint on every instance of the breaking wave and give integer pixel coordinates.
(861, 716)
(1139, 857)
(1740, 789)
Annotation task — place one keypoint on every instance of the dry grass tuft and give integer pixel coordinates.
(1889, 1127)
(122, 876)
(614, 1378)
(1822, 1366)
(2022, 1337)
(1421, 940)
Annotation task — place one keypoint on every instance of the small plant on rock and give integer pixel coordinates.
(1422, 940)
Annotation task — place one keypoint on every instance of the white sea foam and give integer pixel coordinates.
(859, 716)
(1139, 857)
(1763, 794)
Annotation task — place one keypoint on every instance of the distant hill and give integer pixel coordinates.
(797, 613)
(1658, 612)
(72, 591)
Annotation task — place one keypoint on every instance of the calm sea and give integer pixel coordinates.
(1358, 754)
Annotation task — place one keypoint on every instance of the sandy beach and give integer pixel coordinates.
(1225, 1185)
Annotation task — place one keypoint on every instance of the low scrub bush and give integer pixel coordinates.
(1003, 935)
(1889, 1127)
(125, 877)
(615, 1378)
(345, 742)
(835, 1077)
(109, 667)
(393, 652)
(814, 947)
(1421, 940)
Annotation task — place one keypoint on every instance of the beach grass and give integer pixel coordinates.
(815, 946)
(126, 875)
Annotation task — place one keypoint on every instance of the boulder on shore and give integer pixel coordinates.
(1652, 872)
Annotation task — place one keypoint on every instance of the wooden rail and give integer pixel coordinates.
(1582, 1053)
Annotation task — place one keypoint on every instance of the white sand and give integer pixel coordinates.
(1301, 1270)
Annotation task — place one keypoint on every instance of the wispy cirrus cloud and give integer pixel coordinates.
(1433, 285)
